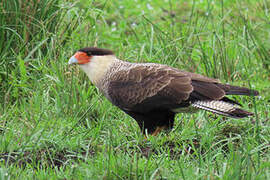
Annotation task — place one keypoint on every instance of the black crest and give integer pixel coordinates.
(94, 51)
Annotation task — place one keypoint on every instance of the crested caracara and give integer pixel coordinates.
(153, 93)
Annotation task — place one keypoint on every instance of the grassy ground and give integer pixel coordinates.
(54, 124)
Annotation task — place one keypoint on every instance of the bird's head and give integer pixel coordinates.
(93, 61)
(85, 55)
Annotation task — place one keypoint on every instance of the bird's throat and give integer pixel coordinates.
(98, 67)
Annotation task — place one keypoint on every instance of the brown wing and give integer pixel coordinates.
(198, 77)
(145, 87)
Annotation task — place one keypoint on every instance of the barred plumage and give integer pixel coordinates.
(222, 108)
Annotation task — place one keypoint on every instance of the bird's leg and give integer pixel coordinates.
(158, 130)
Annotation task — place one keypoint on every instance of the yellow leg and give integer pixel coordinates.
(158, 130)
(145, 137)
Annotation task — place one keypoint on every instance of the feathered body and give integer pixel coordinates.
(153, 93)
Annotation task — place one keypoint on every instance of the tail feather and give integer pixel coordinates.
(222, 108)
(225, 99)
(236, 90)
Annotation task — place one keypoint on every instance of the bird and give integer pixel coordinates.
(153, 94)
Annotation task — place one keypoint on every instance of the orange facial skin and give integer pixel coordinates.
(82, 57)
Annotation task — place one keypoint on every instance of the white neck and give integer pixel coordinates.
(97, 67)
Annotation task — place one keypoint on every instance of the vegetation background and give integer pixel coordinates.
(54, 124)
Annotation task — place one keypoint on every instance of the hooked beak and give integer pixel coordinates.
(72, 60)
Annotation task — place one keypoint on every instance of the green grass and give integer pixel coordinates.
(54, 124)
